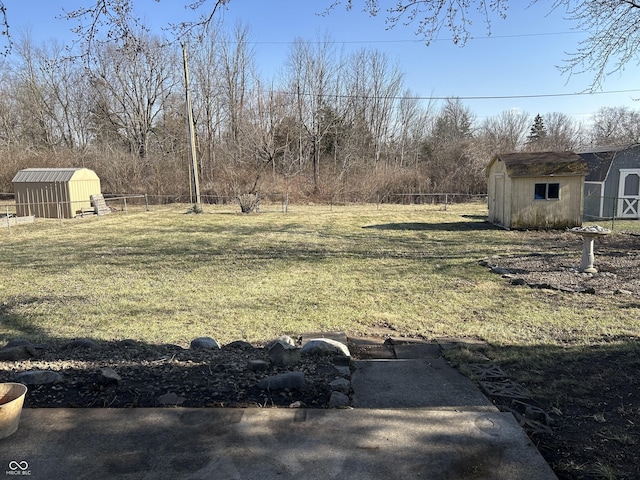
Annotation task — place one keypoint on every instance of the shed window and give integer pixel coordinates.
(546, 191)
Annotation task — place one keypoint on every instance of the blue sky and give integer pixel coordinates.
(519, 59)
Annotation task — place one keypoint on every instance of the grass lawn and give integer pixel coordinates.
(164, 276)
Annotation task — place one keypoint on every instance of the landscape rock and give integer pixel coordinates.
(283, 355)
(343, 370)
(38, 377)
(109, 375)
(240, 344)
(13, 354)
(341, 385)
(338, 400)
(284, 340)
(317, 346)
(205, 343)
(284, 381)
(170, 399)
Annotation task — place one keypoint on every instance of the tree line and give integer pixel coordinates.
(331, 123)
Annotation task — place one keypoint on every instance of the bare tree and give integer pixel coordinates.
(563, 132)
(431, 16)
(262, 135)
(311, 72)
(236, 65)
(615, 126)
(383, 86)
(504, 132)
(130, 83)
(208, 100)
(613, 40)
(407, 117)
(447, 149)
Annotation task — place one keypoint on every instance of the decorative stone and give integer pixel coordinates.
(283, 355)
(284, 381)
(343, 370)
(38, 377)
(240, 345)
(284, 340)
(109, 375)
(340, 385)
(170, 399)
(258, 365)
(21, 352)
(319, 346)
(83, 343)
(204, 343)
(338, 400)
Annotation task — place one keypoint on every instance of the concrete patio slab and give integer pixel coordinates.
(266, 444)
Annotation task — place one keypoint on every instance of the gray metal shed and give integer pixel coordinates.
(54, 192)
(612, 186)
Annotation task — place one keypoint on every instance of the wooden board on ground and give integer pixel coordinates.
(99, 204)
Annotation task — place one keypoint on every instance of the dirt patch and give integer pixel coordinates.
(159, 375)
(554, 263)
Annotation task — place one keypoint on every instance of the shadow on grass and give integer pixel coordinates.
(439, 226)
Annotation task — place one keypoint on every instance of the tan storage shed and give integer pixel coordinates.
(537, 190)
(54, 192)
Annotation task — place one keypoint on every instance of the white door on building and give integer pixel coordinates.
(629, 193)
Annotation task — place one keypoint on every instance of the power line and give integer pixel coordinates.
(480, 97)
(541, 95)
(348, 42)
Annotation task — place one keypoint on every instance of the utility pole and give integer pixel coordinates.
(193, 170)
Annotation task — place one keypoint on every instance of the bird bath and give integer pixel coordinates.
(588, 235)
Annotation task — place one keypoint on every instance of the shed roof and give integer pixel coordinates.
(537, 164)
(34, 175)
(599, 164)
(599, 159)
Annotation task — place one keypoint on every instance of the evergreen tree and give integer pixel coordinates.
(538, 132)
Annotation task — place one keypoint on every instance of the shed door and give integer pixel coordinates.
(629, 194)
(498, 200)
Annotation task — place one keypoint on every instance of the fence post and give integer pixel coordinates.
(146, 202)
(125, 204)
(8, 221)
(613, 213)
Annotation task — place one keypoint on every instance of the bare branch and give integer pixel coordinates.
(613, 40)
(4, 29)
